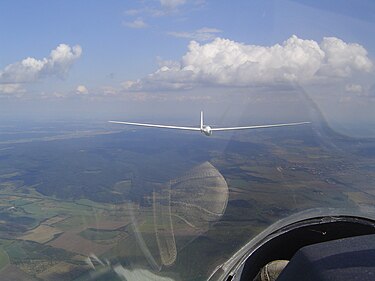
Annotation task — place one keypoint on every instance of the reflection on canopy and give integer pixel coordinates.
(187, 205)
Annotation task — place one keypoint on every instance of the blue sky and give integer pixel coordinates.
(138, 54)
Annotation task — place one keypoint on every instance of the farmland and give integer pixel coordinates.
(70, 204)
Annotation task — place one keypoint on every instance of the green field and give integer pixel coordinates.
(95, 234)
(97, 193)
(4, 259)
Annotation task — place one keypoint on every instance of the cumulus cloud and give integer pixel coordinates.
(203, 34)
(171, 4)
(81, 90)
(138, 23)
(161, 8)
(56, 95)
(109, 91)
(30, 69)
(132, 12)
(226, 62)
(353, 88)
(9, 89)
(343, 58)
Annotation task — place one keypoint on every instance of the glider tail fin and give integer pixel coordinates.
(201, 120)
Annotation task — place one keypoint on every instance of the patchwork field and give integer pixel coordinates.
(41, 234)
(62, 271)
(12, 272)
(63, 200)
(73, 242)
(4, 259)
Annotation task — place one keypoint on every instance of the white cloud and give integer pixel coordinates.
(144, 12)
(229, 63)
(161, 8)
(132, 12)
(82, 90)
(343, 58)
(30, 69)
(171, 4)
(203, 34)
(9, 89)
(57, 95)
(138, 23)
(354, 88)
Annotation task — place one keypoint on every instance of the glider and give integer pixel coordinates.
(205, 129)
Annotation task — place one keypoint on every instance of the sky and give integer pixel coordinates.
(162, 58)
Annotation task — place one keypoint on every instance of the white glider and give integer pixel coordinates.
(207, 130)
